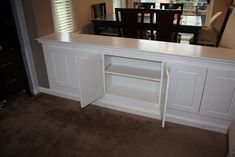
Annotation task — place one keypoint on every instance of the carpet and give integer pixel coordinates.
(49, 126)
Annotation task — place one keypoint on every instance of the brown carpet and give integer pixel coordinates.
(48, 126)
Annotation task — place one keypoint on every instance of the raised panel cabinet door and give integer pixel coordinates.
(186, 86)
(59, 69)
(90, 71)
(219, 97)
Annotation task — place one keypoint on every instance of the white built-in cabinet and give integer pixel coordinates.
(129, 84)
(201, 89)
(201, 92)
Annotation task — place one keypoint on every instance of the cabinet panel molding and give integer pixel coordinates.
(219, 94)
(60, 71)
(61, 68)
(186, 86)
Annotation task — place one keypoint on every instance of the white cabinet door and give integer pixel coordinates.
(90, 73)
(164, 93)
(186, 86)
(219, 94)
(59, 68)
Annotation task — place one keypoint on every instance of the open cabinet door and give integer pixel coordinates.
(90, 79)
(164, 93)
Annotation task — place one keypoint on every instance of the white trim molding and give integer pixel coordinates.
(25, 45)
(58, 93)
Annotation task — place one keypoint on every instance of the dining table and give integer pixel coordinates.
(188, 24)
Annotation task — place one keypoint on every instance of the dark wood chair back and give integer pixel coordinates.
(142, 5)
(167, 24)
(98, 10)
(130, 21)
(172, 6)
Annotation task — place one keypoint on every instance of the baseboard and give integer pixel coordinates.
(58, 93)
(197, 124)
(36, 91)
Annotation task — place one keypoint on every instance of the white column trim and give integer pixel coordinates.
(22, 31)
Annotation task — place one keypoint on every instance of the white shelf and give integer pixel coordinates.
(132, 85)
(134, 72)
(134, 93)
(130, 105)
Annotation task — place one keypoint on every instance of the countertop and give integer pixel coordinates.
(212, 53)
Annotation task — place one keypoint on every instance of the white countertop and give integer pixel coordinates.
(186, 50)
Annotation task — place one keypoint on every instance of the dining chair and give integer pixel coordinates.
(179, 6)
(211, 24)
(189, 9)
(209, 35)
(99, 10)
(226, 18)
(143, 5)
(167, 25)
(130, 22)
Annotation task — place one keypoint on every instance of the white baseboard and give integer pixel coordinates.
(36, 91)
(58, 93)
(197, 124)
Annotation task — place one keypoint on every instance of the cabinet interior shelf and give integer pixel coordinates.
(140, 73)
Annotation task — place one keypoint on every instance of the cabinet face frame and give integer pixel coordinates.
(132, 68)
(130, 63)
